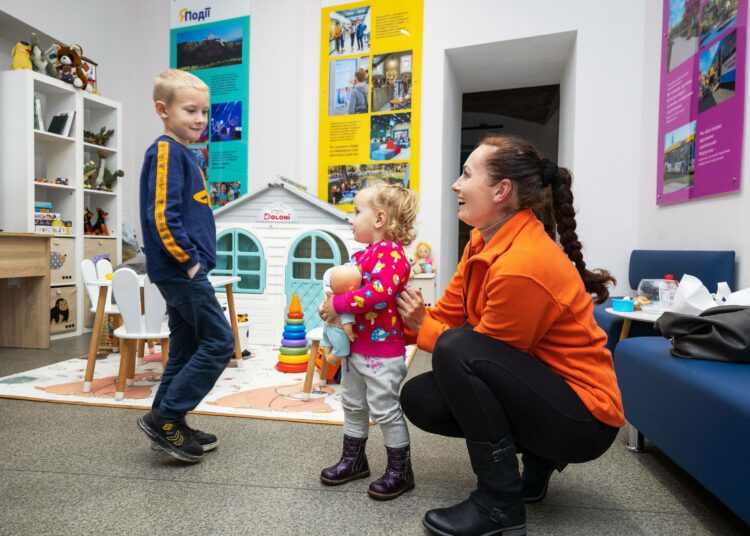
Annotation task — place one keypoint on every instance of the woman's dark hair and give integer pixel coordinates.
(519, 161)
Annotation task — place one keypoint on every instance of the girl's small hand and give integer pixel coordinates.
(411, 308)
(326, 311)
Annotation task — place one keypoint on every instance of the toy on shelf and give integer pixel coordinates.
(422, 264)
(293, 354)
(60, 181)
(90, 170)
(100, 227)
(98, 138)
(39, 59)
(67, 60)
(109, 179)
(20, 56)
(88, 228)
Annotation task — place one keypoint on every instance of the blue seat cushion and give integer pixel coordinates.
(382, 154)
(696, 411)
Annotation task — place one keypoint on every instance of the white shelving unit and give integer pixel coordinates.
(27, 154)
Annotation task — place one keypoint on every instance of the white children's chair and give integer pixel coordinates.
(103, 273)
(91, 281)
(127, 293)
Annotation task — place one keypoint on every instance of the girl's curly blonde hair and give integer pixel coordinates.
(400, 207)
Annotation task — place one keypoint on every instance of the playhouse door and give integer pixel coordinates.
(310, 256)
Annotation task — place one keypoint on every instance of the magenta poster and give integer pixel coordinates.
(701, 98)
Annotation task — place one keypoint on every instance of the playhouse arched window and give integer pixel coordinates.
(239, 253)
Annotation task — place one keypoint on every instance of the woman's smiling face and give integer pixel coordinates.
(474, 191)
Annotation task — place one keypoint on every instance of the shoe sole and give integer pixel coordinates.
(206, 448)
(329, 482)
(518, 530)
(389, 496)
(165, 445)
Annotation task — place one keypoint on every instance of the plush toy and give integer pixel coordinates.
(20, 54)
(337, 338)
(68, 64)
(88, 228)
(100, 227)
(90, 169)
(110, 178)
(39, 59)
(423, 262)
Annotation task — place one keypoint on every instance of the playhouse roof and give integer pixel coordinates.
(290, 188)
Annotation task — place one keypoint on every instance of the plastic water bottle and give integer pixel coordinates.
(667, 290)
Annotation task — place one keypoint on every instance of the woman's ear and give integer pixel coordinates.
(502, 191)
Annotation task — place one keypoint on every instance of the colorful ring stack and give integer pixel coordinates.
(293, 354)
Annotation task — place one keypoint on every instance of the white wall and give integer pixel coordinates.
(608, 117)
(720, 222)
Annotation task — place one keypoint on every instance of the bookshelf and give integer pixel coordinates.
(40, 167)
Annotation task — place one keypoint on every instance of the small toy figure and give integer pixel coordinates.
(21, 56)
(338, 336)
(100, 227)
(423, 262)
(109, 179)
(90, 169)
(88, 228)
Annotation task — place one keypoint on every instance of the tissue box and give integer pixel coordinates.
(621, 305)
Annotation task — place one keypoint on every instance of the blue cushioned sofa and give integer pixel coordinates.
(695, 411)
(711, 267)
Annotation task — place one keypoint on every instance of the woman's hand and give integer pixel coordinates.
(411, 308)
(326, 310)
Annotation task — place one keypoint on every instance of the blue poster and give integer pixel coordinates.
(218, 52)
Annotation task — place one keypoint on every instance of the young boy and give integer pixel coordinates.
(179, 237)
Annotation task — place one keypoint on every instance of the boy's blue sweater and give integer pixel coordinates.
(176, 219)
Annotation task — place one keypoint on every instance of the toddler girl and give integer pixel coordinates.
(383, 218)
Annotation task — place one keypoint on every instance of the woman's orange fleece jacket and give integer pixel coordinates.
(523, 290)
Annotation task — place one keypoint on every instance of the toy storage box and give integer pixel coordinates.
(63, 309)
(62, 266)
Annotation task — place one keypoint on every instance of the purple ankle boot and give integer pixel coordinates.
(351, 466)
(398, 476)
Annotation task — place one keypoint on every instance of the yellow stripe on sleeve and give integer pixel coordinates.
(160, 206)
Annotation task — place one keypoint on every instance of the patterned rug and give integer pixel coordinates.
(254, 390)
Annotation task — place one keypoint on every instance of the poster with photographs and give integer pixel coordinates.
(370, 62)
(701, 99)
(212, 41)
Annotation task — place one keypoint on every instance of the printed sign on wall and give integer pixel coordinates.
(701, 98)
(370, 97)
(213, 43)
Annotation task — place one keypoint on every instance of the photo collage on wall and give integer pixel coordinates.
(370, 61)
(701, 98)
(217, 53)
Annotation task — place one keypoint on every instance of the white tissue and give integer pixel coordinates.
(692, 297)
(722, 292)
(741, 297)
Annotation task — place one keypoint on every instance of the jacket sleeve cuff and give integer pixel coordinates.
(429, 333)
(339, 304)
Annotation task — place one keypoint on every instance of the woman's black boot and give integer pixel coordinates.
(495, 507)
(535, 477)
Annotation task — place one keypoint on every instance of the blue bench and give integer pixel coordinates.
(695, 411)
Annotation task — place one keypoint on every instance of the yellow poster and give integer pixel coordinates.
(370, 92)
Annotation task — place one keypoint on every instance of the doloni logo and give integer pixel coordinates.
(187, 16)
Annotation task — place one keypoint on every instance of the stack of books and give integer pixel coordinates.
(48, 222)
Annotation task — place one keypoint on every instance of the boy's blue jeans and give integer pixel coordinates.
(201, 343)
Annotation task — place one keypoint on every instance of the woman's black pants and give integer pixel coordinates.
(483, 389)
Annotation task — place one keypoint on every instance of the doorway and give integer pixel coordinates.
(531, 113)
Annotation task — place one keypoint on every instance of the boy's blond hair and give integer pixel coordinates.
(168, 82)
(400, 207)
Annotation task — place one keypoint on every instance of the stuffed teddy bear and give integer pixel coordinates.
(68, 64)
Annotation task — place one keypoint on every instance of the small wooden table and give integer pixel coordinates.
(24, 290)
(216, 281)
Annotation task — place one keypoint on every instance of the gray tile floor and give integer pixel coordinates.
(67, 469)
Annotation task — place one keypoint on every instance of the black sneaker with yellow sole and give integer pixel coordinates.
(171, 437)
(206, 440)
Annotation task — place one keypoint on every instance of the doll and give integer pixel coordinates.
(338, 336)
(423, 262)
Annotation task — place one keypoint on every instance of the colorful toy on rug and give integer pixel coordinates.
(293, 354)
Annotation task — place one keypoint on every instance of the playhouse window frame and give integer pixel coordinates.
(236, 256)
